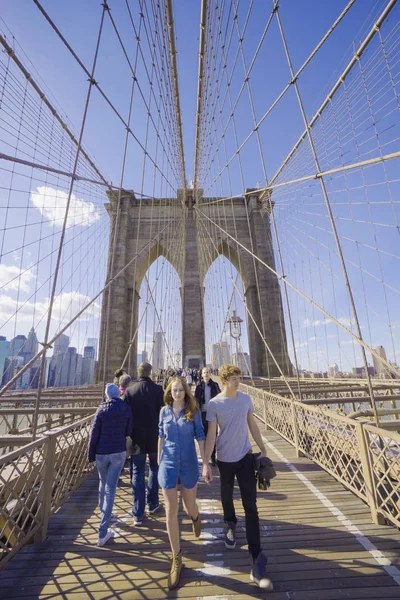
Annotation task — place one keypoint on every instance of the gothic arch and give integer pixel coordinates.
(146, 259)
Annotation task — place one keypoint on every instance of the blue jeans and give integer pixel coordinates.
(138, 464)
(109, 467)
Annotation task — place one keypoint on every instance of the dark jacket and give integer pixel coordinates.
(112, 424)
(145, 398)
(199, 392)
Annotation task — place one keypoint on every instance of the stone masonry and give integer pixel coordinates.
(139, 222)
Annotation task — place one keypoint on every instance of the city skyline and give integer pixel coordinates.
(65, 366)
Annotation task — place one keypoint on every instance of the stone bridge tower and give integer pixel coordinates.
(244, 220)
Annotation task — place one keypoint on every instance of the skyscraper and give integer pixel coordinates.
(94, 343)
(89, 352)
(158, 352)
(15, 360)
(220, 354)
(242, 360)
(4, 354)
(57, 366)
(381, 370)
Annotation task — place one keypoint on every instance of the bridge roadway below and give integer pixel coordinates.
(319, 538)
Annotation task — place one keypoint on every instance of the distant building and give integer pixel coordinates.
(89, 352)
(158, 351)
(4, 354)
(360, 371)
(93, 343)
(88, 365)
(145, 356)
(381, 369)
(56, 374)
(220, 354)
(242, 360)
(15, 360)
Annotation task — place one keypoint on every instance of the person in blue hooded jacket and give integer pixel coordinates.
(112, 424)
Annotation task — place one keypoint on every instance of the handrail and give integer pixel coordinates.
(361, 456)
(36, 479)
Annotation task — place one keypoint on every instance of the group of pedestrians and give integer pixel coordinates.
(139, 419)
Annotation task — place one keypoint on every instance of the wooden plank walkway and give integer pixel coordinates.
(319, 538)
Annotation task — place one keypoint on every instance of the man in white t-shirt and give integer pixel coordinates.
(233, 412)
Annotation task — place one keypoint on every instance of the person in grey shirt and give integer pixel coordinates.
(233, 412)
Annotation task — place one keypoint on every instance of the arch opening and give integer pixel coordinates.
(225, 315)
(159, 328)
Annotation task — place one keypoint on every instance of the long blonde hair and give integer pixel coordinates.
(190, 402)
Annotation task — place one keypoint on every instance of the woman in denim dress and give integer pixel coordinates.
(180, 424)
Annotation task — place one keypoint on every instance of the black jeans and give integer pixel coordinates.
(205, 426)
(246, 478)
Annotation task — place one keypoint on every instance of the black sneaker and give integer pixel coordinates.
(230, 541)
(258, 574)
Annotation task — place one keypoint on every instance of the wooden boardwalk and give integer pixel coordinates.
(319, 538)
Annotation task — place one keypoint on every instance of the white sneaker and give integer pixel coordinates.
(104, 540)
(136, 522)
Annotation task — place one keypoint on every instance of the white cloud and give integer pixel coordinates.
(52, 203)
(343, 320)
(317, 323)
(12, 278)
(8, 306)
(66, 305)
(302, 345)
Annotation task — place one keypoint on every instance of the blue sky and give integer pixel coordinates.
(360, 199)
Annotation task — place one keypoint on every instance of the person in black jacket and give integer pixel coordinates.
(205, 390)
(112, 424)
(145, 398)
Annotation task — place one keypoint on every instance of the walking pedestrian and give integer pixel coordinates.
(180, 424)
(146, 400)
(107, 446)
(206, 389)
(233, 411)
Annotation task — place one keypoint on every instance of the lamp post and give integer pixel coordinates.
(235, 331)
(178, 359)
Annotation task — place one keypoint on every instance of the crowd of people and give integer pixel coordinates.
(142, 421)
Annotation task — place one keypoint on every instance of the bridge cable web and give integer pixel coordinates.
(160, 147)
(371, 103)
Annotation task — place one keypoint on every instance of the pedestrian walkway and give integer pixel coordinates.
(319, 539)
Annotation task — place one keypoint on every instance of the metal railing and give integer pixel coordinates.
(363, 457)
(36, 479)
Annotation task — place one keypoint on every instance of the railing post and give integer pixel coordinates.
(295, 431)
(265, 410)
(48, 484)
(368, 475)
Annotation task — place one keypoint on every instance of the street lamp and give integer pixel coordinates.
(235, 331)
(178, 359)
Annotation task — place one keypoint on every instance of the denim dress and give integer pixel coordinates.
(178, 463)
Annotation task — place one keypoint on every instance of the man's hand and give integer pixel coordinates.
(263, 454)
(207, 473)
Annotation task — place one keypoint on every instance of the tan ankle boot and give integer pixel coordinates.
(176, 569)
(196, 526)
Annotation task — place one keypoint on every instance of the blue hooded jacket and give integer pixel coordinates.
(111, 426)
